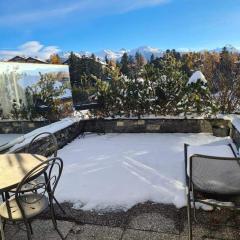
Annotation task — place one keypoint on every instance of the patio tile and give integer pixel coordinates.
(147, 235)
(198, 238)
(153, 222)
(202, 232)
(91, 232)
(42, 229)
(208, 230)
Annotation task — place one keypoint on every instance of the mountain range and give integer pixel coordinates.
(146, 51)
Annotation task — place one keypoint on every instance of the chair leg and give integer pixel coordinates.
(56, 201)
(54, 219)
(30, 227)
(190, 237)
(1, 229)
(4, 223)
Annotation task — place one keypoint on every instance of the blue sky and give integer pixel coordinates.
(45, 26)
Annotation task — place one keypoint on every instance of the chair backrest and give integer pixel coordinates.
(215, 175)
(44, 144)
(52, 170)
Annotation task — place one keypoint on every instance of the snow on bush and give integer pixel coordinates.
(197, 76)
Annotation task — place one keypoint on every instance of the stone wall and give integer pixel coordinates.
(20, 127)
(64, 136)
(152, 125)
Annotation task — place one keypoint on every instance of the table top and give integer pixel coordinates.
(13, 167)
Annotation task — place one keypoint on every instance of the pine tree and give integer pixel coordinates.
(152, 58)
(106, 59)
(111, 93)
(73, 69)
(197, 99)
(125, 64)
(227, 82)
(169, 84)
(139, 60)
(93, 56)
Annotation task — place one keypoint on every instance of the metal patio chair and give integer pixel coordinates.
(25, 206)
(211, 180)
(44, 144)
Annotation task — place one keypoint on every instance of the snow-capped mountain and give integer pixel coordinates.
(146, 51)
(229, 47)
(111, 54)
(65, 55)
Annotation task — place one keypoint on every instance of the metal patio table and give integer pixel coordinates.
(14, 167)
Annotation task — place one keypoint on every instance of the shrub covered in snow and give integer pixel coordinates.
(197, 97)
(170, 85)
(151, 91)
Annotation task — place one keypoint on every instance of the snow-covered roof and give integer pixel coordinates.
(198, 75)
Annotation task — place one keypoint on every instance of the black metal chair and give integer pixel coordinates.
(44, 144)
(25, 206)
(213, 181)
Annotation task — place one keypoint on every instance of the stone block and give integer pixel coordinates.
(120, 124)
(31, 125)
(153, 127)
(140, 122)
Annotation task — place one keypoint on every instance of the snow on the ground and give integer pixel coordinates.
(52, 128)
(5, 138)
(198, 75)
(116, 171)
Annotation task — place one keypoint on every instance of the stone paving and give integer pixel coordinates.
(142, 222)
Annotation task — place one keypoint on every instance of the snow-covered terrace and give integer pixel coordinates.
(117, 171)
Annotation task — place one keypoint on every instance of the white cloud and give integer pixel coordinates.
(86, 7)
(30, 49)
